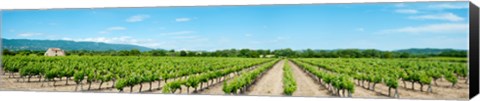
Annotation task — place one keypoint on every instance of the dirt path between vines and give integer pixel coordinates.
(306, 86)
(270, 83)
(217, 87)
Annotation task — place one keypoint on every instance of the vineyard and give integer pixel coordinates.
(434, 78)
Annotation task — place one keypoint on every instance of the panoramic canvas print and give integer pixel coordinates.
(415, 50)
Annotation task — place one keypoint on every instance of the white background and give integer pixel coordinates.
(76, 96)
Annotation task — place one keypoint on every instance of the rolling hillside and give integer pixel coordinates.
(27, 44)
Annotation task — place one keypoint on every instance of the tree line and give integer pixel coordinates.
(252, 53)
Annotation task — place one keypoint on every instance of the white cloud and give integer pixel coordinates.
(119, 40)
(67, 39)
(449, 6)
(406, 11)
(110, 29)
(198, 40)
(29, 34)
(432, 28)
(360, 29)
(185, 37)
(116, 28)
(137, 18)
(182, 19)
(103, 32)
(182, 35)
(279, 39)
(400, 5)
(177, 33)
(445, 16)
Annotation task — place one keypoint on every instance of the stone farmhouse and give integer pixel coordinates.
(55, 52)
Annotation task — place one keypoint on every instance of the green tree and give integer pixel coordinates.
(183, 53)
(135, 52)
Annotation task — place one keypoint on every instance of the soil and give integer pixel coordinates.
(270, 83)
(306, 86)
(442, 91)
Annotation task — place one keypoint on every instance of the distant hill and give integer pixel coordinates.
(27, 44)
(421, 51)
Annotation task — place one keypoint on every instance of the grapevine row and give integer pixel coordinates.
(289, 84)
(244, 81)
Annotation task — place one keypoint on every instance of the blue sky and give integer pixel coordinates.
(384, 26)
